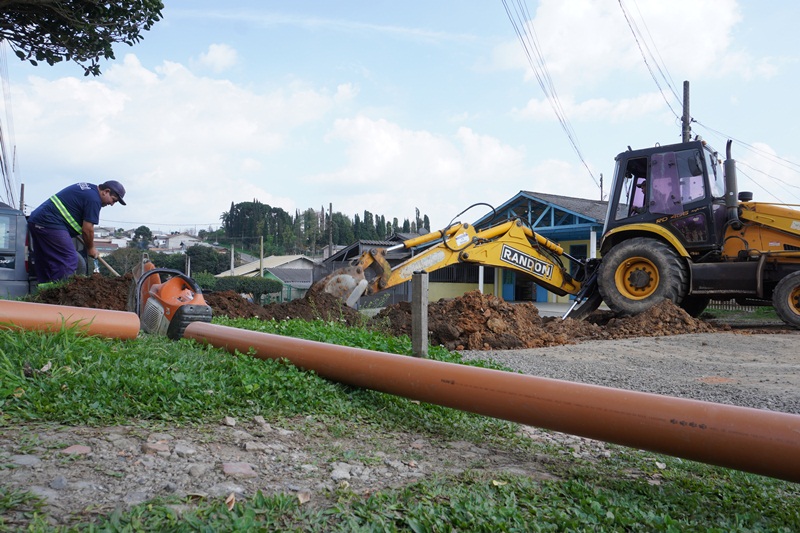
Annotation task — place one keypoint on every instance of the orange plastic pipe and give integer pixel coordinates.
(46, 317)
(752, 440)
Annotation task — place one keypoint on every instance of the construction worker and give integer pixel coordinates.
(72, 212)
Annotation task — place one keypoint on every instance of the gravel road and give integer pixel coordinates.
(737, 368)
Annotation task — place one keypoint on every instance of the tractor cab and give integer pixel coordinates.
(679, 187)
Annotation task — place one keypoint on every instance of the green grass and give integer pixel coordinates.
(68, 379)
(757, 315)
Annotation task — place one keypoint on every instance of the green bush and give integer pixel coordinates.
(206, 281)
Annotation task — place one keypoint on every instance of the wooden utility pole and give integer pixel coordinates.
(686, 121)
(330, 229)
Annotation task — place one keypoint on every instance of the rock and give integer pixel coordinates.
(155, 448)
(59, 483)
(25, 460)
(77, 449)
(238, 470)
(252, 446)
(184, 450)
(197, 470)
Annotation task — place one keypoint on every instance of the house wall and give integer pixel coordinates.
(437, 291)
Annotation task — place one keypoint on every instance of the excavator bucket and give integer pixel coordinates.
(347, 284)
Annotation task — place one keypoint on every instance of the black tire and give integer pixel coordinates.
(786, 299)
(639, 273)
(695, 305)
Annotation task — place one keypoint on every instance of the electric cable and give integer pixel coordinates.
(522, 23)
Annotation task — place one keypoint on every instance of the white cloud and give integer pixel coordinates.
(589, 49)
(395, 170)
(584, 41)
(219, 58)
(596, 108)
(768, 176)
(184, 146)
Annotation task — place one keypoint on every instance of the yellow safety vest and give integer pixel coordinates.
(64, 213)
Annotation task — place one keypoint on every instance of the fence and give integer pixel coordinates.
(730, 305)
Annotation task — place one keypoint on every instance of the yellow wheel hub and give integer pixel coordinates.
(636, 278)
(794, 300)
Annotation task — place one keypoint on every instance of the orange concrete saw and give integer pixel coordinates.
(166, 300)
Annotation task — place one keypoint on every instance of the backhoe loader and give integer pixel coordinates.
(676, 228)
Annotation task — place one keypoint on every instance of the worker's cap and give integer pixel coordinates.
(117, 188)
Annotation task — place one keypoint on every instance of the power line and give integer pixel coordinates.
(523, 27)
(663, 73)
(181, 224)
(791, 165)
(637, 36)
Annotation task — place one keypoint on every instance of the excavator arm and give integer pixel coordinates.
(510, 244)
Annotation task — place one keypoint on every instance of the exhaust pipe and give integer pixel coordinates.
(731, 189)
(51, 318)
(752, 440)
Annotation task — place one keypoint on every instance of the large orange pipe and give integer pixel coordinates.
(752, 440)
(46, 317)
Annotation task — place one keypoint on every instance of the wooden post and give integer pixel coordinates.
(419, 314)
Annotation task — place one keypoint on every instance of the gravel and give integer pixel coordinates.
(761, 371)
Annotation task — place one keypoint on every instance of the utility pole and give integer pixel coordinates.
(686, 127)
(330, 229)
(601, 186)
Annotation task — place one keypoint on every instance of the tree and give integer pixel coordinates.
(83, 31)
(207, 259)
(124, 259)
(142, 237)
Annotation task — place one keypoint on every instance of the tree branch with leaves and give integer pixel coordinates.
(83, 31)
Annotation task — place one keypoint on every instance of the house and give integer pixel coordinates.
(296, 282)
(574, 223)
(295, 272)
(175, 241)
(274, 261)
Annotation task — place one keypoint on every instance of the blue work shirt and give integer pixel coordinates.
(82, 201)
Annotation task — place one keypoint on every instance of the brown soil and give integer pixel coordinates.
(97, 291)
(473, 321)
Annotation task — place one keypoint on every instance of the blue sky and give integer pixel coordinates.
(391, 106)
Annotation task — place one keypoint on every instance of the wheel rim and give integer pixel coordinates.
(794, 300)
(636, 278)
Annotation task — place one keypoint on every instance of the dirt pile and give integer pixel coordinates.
(97, 291)
(473, 321)
(476, 321)
(318, 306)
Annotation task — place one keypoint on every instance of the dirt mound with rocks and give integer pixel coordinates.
(473, 321)
(476, 321)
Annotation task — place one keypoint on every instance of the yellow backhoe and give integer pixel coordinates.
(676, 228)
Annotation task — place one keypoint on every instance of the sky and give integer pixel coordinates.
(391, 106)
